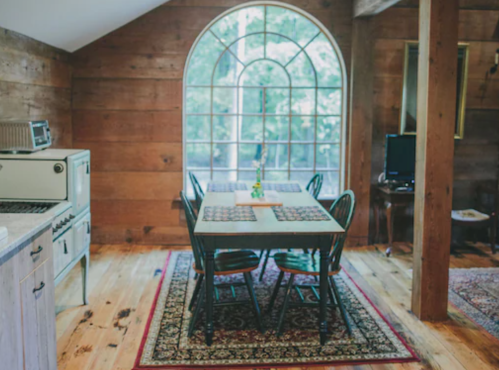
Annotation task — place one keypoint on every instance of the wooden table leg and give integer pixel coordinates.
(323, 292)
(389, 227)
(209, 264)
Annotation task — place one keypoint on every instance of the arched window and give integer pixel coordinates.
(265, 74)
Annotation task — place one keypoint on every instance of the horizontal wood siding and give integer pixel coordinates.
(127, 109)
(35, 83)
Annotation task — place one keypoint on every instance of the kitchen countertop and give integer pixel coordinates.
(20, 228)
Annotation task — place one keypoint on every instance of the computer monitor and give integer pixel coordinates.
(400, 157)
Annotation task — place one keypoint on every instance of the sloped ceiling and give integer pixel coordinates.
(70, 24)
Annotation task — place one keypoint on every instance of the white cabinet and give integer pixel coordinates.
(63, 252)
(81, 233)
(79, 181)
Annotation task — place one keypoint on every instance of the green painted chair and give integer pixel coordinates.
(342, 211)
(314, 187)
(198, 190)
(226, 263)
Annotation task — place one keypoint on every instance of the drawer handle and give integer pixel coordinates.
(42, 285)
(33, 253)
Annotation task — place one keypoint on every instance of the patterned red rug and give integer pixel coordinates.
(237, 342)
(475, 292)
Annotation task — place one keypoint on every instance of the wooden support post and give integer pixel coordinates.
(361, 123)
(438, 27)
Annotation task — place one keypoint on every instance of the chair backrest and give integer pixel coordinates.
(315, 184)
(486, 198)
(342, 210)
(197, 246)
(198, 190)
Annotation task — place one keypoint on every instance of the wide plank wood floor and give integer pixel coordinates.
(123, 280)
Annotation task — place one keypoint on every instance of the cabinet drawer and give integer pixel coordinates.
(63, 252)
(38, 319)
(81, 232)
(35, 253)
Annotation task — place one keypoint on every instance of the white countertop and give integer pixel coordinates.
(21, 227)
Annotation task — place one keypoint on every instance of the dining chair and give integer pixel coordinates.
(314, 188)
(226, 263)
(295, 264)
(198, 191)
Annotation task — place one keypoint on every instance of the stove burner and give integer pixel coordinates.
(25, 207)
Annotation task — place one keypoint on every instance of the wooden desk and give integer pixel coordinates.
(389, 199)
(265, 233)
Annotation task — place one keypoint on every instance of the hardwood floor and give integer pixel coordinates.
(123, 280)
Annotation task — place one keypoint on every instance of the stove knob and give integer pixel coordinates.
(71, 217)
(66, 220)
(54, 230)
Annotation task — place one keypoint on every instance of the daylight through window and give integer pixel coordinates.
(264, 76)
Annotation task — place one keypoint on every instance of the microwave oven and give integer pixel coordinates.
(24, 136)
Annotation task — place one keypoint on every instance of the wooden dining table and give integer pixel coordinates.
(265, 233)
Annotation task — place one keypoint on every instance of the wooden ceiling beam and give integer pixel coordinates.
(367, 8)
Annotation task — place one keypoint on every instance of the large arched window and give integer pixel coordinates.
(265, 75)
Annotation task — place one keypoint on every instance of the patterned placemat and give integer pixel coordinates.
(226, 187)
(300, 214)
(282, 188)
(227, 214)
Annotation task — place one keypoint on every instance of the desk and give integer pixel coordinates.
(265, 233)
(389, 199)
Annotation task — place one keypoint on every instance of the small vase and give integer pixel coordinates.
(257, 188)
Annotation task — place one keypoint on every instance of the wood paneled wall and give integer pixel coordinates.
(477, 155)
(35, 83)
(127, 109)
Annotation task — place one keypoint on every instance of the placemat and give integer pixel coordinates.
(283, 188)
(226, 187)
(227, 214)
(314, 213)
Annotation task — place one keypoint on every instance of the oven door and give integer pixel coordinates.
(33, 179)
(79, 181)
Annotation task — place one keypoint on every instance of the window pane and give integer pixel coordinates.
(302, 71)
(249, 175)
(203, 60)
(290, 24)
(281, 49)
(277, 101)
(303, 128)
(229, 176)
(303, 101)
(227, 70)
(264, 73)
(328, 156)
(198, 100)
(224, 128)
(224, 100)
(249, 153)
(249, 48)
(239, 23)
(225, 156)
(303, 177)
(331, 185)
(250, 100)
(302, 156)
(277, 156)
(198, 155)
(277, 128)
(276, 175)
(251, 128)
(198, 128)
(325, 61)
(329, 101)
(203, 178)
(329, 129)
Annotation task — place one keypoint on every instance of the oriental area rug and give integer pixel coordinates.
(475, 292)
(238, 343)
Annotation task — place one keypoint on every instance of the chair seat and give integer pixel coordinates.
(228, 263)
(303, 264)
(469, 215)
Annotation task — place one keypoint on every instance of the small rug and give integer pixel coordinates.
(228, 214)
(226, 187)
(282, 188)
(300, 214)
(237, 342)
(475, 292)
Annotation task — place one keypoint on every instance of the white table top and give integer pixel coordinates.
(267, 222)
